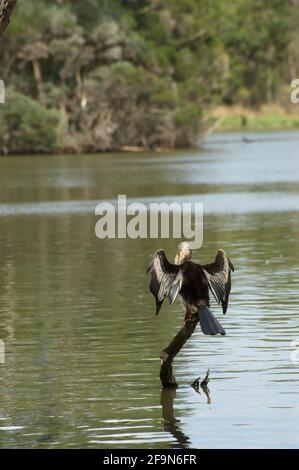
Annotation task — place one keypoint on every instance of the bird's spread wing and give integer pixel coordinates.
(218, 275)
(166, 279)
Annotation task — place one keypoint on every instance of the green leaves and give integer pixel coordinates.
(141, 72)
(26, 126)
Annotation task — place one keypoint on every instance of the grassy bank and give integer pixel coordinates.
(267, 118)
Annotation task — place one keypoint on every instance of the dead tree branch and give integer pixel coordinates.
(6, 9)
(168, 354)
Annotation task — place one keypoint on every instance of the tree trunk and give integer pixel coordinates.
(37, 72)
(168, 354)
(6, 9)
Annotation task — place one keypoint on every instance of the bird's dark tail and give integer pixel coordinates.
(209, 324)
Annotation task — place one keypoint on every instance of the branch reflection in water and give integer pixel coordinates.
(172, 424)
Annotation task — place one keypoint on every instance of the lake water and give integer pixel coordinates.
(81, 339)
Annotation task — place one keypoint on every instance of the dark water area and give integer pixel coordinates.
(81, 339)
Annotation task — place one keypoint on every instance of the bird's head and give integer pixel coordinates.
(184, 253)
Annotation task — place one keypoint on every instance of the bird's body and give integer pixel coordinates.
(192, 281)
(195, 288)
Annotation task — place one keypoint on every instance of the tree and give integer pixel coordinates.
(6, 10)
(144, 73)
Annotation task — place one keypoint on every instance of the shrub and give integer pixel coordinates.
(26, 126)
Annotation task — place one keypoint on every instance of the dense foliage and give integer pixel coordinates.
(100, 74)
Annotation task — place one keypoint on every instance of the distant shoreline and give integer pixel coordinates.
(220, 120)
(267, 118)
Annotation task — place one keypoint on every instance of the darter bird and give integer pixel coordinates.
(192, 281)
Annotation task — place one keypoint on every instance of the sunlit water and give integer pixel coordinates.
(81, 338)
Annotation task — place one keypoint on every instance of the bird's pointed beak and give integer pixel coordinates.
(177, 259)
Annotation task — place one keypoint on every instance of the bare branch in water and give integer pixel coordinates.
(168, 354)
